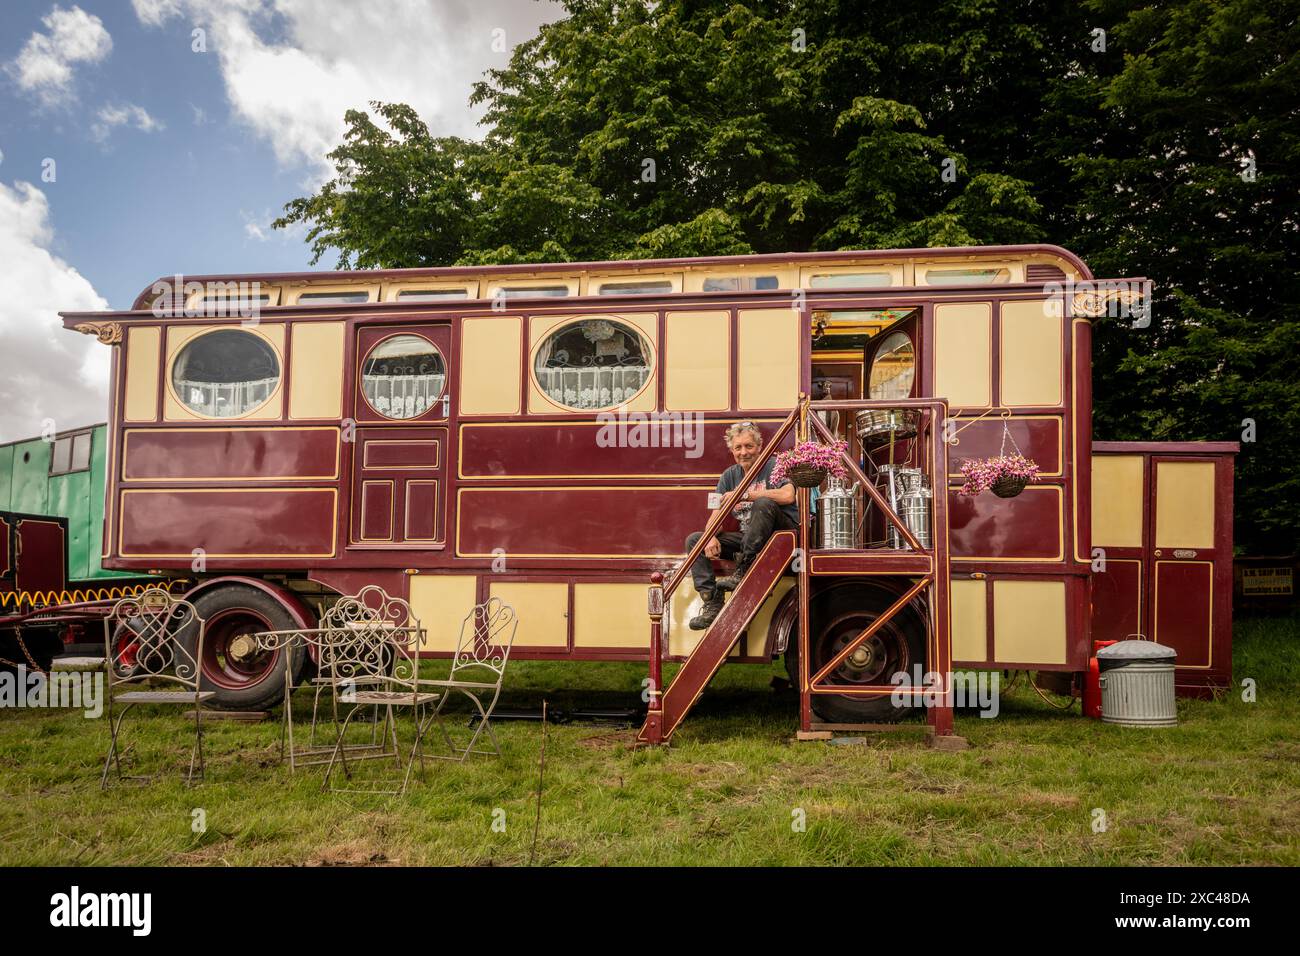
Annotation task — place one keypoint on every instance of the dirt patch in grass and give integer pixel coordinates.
(614, 740)
(352, 853)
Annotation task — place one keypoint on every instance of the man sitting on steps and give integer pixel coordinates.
(764, 508)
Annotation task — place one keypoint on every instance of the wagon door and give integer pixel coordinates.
(1190, 546)
(401, 404)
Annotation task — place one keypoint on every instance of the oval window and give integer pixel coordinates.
(894, 367)
(403, 376)
(225, 373)
(595, 363)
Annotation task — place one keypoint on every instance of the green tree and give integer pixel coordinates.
(1181, 145)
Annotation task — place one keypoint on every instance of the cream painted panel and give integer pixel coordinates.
(1029, 622)
(769, 358)
(542, 609)
(489, 365)
(969, 621)
(1032, 356)
(1184, 504)
(316, 370)
(441, 602)
(698, 357)
(1117, 496)
(142, 345)
(963, 349)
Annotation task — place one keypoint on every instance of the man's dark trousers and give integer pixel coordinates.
(765, 517)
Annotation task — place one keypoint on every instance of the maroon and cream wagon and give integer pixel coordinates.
(548, 434)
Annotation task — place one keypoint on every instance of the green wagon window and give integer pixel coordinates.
(403, 376)
(226, 373)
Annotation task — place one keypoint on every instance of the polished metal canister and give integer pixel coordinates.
(837, 508)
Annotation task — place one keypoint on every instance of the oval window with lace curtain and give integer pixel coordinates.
(593, 363)
(403, 376)
(226, 373)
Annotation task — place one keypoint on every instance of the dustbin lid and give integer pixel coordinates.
(1134, 652)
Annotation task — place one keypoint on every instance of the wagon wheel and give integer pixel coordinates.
(838, 615)
(242, 676)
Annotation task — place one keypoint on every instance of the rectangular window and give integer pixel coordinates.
(741, 284)
(530, 291)
(431, 295)
(333, 298)
(61, 457)
(70, 454)
(81, 452)
(235, 301)
(964, 276)
(636, 287)
(851, 280)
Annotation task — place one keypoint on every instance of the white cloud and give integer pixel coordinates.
(259, 228)
(293, 67)
(49, 372)
(45, 64)
(111, 116)
(155, 12)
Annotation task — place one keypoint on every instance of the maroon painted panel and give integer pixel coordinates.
(392, 453)
(163, 454)
(397, 474)
(377, 510)
(1183, 592)
(1027, 526)
(580, 521)
(41, 555)
(582, 450)
(258, 522)
(1037, 438)
(1117, 600)
(421, 510)
(6, 529)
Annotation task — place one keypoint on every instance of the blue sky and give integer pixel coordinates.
(168, 159)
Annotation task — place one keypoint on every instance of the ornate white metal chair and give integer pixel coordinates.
(487, 634)
(337, 627)
(374, 662)
(155, 621)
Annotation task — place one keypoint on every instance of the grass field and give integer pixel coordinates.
(1219, 789)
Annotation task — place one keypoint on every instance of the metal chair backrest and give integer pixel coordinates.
(145, 639)
(372, 641)
(487, 634)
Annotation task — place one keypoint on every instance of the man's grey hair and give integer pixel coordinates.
(739, 427)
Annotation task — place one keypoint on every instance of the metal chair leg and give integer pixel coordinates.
(339, 753)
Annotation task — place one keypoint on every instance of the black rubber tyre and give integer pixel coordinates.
(242, 680)
(839, 613)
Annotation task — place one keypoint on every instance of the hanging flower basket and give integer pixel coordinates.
(1006, 475)
(809, 463)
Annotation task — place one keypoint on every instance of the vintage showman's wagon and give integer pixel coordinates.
(549, 435)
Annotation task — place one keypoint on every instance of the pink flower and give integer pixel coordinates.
(825, 458)
(981, 474)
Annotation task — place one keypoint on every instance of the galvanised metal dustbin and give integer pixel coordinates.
(1137, 684)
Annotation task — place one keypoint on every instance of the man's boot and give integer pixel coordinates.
(732, 581)
(712, 606)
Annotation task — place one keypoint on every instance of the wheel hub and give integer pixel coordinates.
(242, 648)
